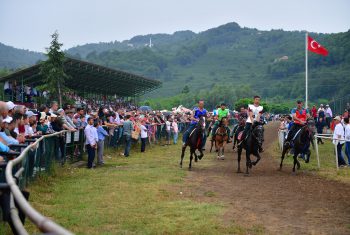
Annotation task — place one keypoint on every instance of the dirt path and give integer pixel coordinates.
(280, 202)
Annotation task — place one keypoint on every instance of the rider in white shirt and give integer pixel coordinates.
(254, 114)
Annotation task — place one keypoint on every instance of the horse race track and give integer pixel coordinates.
(279, 202)
(149, 194)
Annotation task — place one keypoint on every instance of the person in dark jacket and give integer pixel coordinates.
(320, 124)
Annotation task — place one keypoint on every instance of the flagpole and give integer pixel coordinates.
(306, 72)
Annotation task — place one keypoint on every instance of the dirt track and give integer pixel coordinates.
(280, 202)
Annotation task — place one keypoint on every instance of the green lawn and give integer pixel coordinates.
(136, 195)
(327, 161)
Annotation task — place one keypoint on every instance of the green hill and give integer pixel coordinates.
(271, 63)
(12, 58)
(233, 61)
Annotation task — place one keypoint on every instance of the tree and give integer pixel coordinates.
(185, 90)
(53, 70)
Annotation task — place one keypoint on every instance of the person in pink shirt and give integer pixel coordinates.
(175, 130)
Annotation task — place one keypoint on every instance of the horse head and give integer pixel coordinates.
(310, 125)
(201, 123)
(258, 133)
(223, 121)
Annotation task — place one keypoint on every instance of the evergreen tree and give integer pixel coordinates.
(53, 70)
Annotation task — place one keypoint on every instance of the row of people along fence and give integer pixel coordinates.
(39, 156)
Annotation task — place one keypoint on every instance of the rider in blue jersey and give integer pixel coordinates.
(197, 113)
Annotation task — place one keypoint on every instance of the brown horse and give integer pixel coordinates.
(220, 138)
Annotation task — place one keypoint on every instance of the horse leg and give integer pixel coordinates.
(182, 155)
(284, 151)
(218, 151)
(212, 143)
(239, 153)
(195, 157)
(295, 156)
(201, 154)
(248, 162)
(308, 153)
(257, 158)
(191, 158)
(223, 151)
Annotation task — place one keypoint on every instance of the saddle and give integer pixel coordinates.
(240, 134)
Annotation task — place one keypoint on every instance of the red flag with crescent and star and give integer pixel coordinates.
(315, 47)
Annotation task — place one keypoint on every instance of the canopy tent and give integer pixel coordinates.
(87, 77)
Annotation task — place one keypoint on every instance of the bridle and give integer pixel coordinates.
(257, 127)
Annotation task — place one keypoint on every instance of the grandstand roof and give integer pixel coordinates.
(91, 78)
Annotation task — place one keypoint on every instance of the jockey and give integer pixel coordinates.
(242, 116)
(299, 115)
(196, 114)
(254, 115)
(222, 112)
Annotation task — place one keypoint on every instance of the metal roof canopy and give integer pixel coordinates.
(91, 78)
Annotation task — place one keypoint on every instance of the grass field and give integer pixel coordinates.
(132, 195)
(327, 161)
(141, 195)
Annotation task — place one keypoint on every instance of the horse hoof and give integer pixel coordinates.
(239, 171)
(222, 157)
(218, 158)
(195, 160)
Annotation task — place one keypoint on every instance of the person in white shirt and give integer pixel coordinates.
(329, 115)
(91, 141)
(144, 136)
(168, 130)
(175, 129)
(338, 140)
(347, 138)
(254, 114)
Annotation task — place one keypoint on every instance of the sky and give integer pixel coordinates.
(28, 24)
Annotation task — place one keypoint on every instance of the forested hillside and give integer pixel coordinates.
(227, 63)
(12, 58)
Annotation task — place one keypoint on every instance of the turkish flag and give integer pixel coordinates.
(315, 47)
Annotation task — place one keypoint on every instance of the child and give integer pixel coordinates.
(143, 135)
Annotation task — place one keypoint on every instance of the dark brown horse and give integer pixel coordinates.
(251, 145)
(301, 144)
(220, 138)
(194, 141)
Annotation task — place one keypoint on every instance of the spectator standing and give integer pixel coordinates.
(347, 138)
(127, 129)
(102, 133)
(329, 115)
(168, 130)
(54, 107)
(42, 124)
(144, 136)
(90, 142)
(314, 112)
(338, 135)
(175, 130)
(320, 124)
